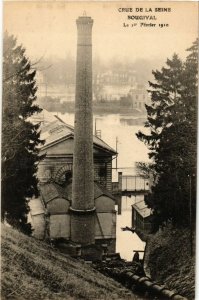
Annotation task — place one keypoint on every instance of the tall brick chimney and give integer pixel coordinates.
(83, 207)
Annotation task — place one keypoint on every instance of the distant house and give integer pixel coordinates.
(50, 213)
(141, 218)
(112, 85)
(138, 97)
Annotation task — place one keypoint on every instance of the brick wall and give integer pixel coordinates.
(54, 168)
(103, 173)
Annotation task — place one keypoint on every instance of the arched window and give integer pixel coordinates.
(63, 174)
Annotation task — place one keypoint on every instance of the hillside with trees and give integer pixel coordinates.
(172, 140)
(172, 144)
(169, 261)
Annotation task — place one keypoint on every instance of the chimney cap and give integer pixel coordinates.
(84, 19)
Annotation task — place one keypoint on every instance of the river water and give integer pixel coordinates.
(130, 150)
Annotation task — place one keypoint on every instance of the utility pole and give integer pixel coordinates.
(135, 182)
(97, 132)
(116, 150)
(46, 90)
(95, 126)
(190, 215)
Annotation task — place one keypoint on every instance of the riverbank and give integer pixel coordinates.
(101, 107)
(31, 269)
(169, 261)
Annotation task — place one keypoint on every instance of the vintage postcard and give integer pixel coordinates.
(99, 149)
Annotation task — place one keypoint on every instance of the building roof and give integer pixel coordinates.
(57, 130)
(50, 191)
(142, 209)
(100, 190)
(54, 132)
(44, 117)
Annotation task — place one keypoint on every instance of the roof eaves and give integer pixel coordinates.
(108, 149)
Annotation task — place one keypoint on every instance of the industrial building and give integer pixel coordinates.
(75, 207)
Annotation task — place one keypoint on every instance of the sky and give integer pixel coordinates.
(49, 28)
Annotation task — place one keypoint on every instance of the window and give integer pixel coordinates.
(102, 171)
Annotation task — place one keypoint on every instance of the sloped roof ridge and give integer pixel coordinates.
(138, 206)
(139, 201)
(59, 192)
(64, 191)
(67, 125)
(45, 127)
(104, 191)
(96, 140)
(105, 143)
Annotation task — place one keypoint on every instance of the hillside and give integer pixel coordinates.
(169, 260)
(31, 269)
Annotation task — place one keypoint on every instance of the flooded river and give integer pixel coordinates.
(131, 150)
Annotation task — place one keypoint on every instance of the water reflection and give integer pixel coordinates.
(127, 241)
(132, 121)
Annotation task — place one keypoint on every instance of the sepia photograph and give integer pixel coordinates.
(99, 150)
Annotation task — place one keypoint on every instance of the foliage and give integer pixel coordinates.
(145, 170)
(168, 258)
(172, 122)
(20, 138)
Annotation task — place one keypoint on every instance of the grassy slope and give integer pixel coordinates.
(33, 270)
(169, 260)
